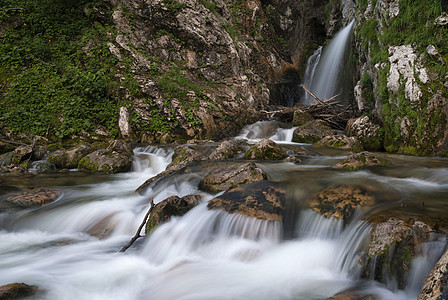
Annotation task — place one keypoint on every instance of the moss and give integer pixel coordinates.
(85, 164)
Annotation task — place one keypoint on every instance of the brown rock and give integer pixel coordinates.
(360, 161)
(312, 132)
(34, 197)
(265, 150)
(183, 155)
(436, 284)
(230, 177)
(301, 117)
(225, 150)
(16, 291)
(262, 200)
(342, 142)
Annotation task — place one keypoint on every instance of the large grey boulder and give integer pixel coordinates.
(226, 150)
(224, 178)
(312, 132)
(265, 150)
(368, 133)
(183, 155)
(106, 162)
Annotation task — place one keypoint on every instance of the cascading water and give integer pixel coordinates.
(326, 74)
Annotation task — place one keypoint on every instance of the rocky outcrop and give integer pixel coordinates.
(341, 201)
(34, 197)
(340, 142)
(225, 178)
(106, 162)
(312, 132)
(262, 200)
(368, 133)
(360, 161)
(436, 284)
(16, 291)
(172, 206)
(69, 159)
(265, 150)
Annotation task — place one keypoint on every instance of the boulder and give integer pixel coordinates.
(16, 291)
(360, 161)
(42, 167)
(172, 206)
(103, 228)
(301, 117)
(262, 200)
(69, 159)
(312, 132)
(265, 150)
(342, 142)
(6, 147)
(6, 159)
(34, 197)
(293, 159)
(21, 154)
(226, 150)
(436, 284)
(121, 146)
(355, 295)
(368, 133)
(105, 162)
(183, 155)
(225, 178)
(341, 201)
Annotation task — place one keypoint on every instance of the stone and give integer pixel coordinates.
(69, 159)
(21, 154)
(123, 122)
(436, 284)
(368, 133)
(172, 206)
(355, 295)
(265, 149)
(42, 167)
(312, 132)
(6, 147)
(183, 155)
(16, 291)
(301, 117)
(105, 162)
(34, 197)
(228, 177)
(226, 150)
(103, 228)
(360, 161)
(121, 146)
(162, 175)
(441, 20)
(341, 201)
(262, 200)
(342, 142)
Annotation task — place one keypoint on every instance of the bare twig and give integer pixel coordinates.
(312, 95)
(137, 234)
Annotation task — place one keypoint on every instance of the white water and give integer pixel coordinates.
(325, 80)
(202, 255)
(266, 130)
(311, 66)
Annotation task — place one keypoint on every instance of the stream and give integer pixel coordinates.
(208, 254)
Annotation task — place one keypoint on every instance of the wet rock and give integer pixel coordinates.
(121, 146)
(103, 228)
(293, 159)
(183, 155)
(341, 142)
(355, 295)
(312, 132)
(230, 177)
(301, 117)
(172, 206)
(341, 201)
(262, 200)
(16, 291)
(436, 284)
(368, 133)
(34, 197)
(265, 150)
(42, 167)
(21, 154)
(106, 162)
(69, 159)
(360, 161)
(226, 150)
(6, 159)
(6, 147)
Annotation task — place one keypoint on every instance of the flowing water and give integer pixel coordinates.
(69, 248)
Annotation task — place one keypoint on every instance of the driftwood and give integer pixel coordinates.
(137, 234)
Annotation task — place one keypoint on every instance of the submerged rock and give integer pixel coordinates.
(34, 197)
(16, 291)
(312, 132)
(265, 150)
(360, 161)
(172, 206)
(341, 201)
(262, 200)
(230, 177)
(436, 284)
(342, 142)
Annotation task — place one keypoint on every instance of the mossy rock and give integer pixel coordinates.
(311, 132)
(361, 161)
(105, 162)
(265, 150)
(6, 147)
(342, 142)
(301, 117)
(69, 159)
(182, 156)
(225, 150)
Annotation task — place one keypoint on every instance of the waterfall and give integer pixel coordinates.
(326, 79)
(311, 66)
(266, 130)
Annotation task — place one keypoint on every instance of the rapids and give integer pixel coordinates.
(207, 254)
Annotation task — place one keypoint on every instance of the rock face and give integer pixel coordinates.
(360, 161)
(16, 291)
(230, 177)
(436, 284)
(262, 200)
(341, 201)
(34, 197)
(366, 132)
(265, 150)
(172, 206)
(341, 142)
(312, 132)
(106, 162)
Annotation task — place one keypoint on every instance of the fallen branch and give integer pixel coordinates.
(312, 95)
(137, 234)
